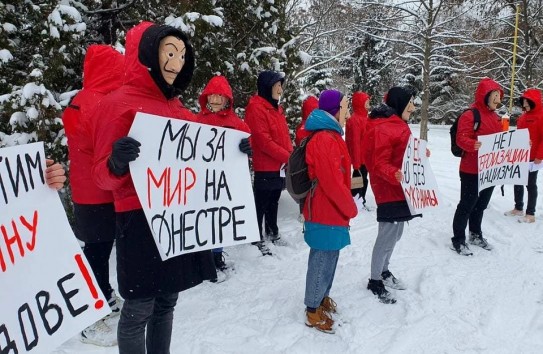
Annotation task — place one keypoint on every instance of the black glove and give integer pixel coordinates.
(245, 147)
(124, 150)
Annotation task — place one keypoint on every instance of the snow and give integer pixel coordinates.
(5, 56)
(213, 20)
(489, 303)
(9, 27)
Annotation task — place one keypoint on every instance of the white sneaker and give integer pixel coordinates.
(514, 212)
(99, 334)
(221, 276)
(116, 304)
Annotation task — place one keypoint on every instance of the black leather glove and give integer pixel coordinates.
(245, 147)
(124, 150)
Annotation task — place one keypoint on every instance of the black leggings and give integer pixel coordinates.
(532, 194)
(470, 208)
(362, 171)
(98, 256)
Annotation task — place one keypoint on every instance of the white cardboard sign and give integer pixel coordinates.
(47, 290)
(194, 185)
(504, 158)
(419, 183)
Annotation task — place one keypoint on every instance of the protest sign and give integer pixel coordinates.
(194, 185)
(419, 183)
(503, 158)
(48, 292)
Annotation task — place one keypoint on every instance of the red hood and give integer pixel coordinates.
(218, 85)
(533, 95)
(102, 69)
(359, 103)
(311, 103)
(135, 73)
(485, 86)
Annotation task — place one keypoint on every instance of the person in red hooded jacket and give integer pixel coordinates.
(217, 108)
(532, 119)
(473, 202)
(386, 139)
(158, 67)
(354, 135)
(272, 147)
(310, 103)
(93, 207)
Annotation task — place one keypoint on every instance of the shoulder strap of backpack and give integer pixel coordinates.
(476, 119)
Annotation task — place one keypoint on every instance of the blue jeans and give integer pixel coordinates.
(321, 268)
(155, 313)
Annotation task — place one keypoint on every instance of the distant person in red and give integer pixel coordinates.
(532, 118)
(354, 136)
(217, 108)
(159, 67)
(93, 207)
(270, 140)
(308, 106)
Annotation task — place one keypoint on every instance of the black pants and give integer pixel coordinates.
(267, 189)
(98, 256)
(362, 171)
(470, 208)
(532, 194)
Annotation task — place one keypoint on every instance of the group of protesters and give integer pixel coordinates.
(156, 68)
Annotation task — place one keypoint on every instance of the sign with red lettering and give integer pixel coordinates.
(504, 158)
(419, 183)
(48, 293)
(194, 185)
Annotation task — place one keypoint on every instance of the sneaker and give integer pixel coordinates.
(262, 248)
(378, 288)
(390, 281)
(116, 304)
(99, 334)
(479, 240)
(218, 258)
(514, 212)
(527, 219)
(319, 320)
(274, 238)
(462, 249)
(329, 305)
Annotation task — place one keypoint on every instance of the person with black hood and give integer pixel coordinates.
(473, 202)
(272, 147)
(387, 135)
(158, 66)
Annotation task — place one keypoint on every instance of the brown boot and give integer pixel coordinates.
(320, 320)
(329, 305)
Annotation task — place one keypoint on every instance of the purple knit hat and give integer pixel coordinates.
(330, 101)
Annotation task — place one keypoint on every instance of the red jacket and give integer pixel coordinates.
(103, 73)
(328, 161)
(139, 93)
(308, 106)
(270, 137)
(356, 127)
(533, 120)
(226, 118)
(490, 124)
(385, 141)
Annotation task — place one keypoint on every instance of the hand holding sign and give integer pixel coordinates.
(125, 150)
(55, 176)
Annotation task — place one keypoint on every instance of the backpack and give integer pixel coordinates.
(297, 175)
(455, 149)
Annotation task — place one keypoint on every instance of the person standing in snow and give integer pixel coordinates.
(354, 136)
(473, 202)
(532, 118)
(385, 142)
(159, 64)
(329, 206)
(217, 109)
(94, 212)
(272, 147)
(309, 105)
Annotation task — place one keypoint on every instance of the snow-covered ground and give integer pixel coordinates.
(488, 303)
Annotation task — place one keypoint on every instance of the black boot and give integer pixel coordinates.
(218, 257)
(378, 288)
